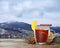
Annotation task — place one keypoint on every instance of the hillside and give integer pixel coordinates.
(20, 30)
(14, 30)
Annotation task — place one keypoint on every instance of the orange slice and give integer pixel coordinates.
(51, 35)
(50, 38)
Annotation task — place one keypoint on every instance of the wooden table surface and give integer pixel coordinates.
(17, 43)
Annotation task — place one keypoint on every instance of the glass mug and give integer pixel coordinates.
(41, 33)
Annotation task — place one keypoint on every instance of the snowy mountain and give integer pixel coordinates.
(20, 30)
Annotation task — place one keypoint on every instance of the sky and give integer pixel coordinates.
(44, 11)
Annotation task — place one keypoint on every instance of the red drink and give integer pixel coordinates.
(41, 35)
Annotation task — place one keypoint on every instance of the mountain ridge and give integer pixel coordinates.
(19, 30)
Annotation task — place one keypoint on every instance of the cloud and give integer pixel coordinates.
(54, 6)
(7, 18)
(44, 11)
(4, 7)
(33, 13)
